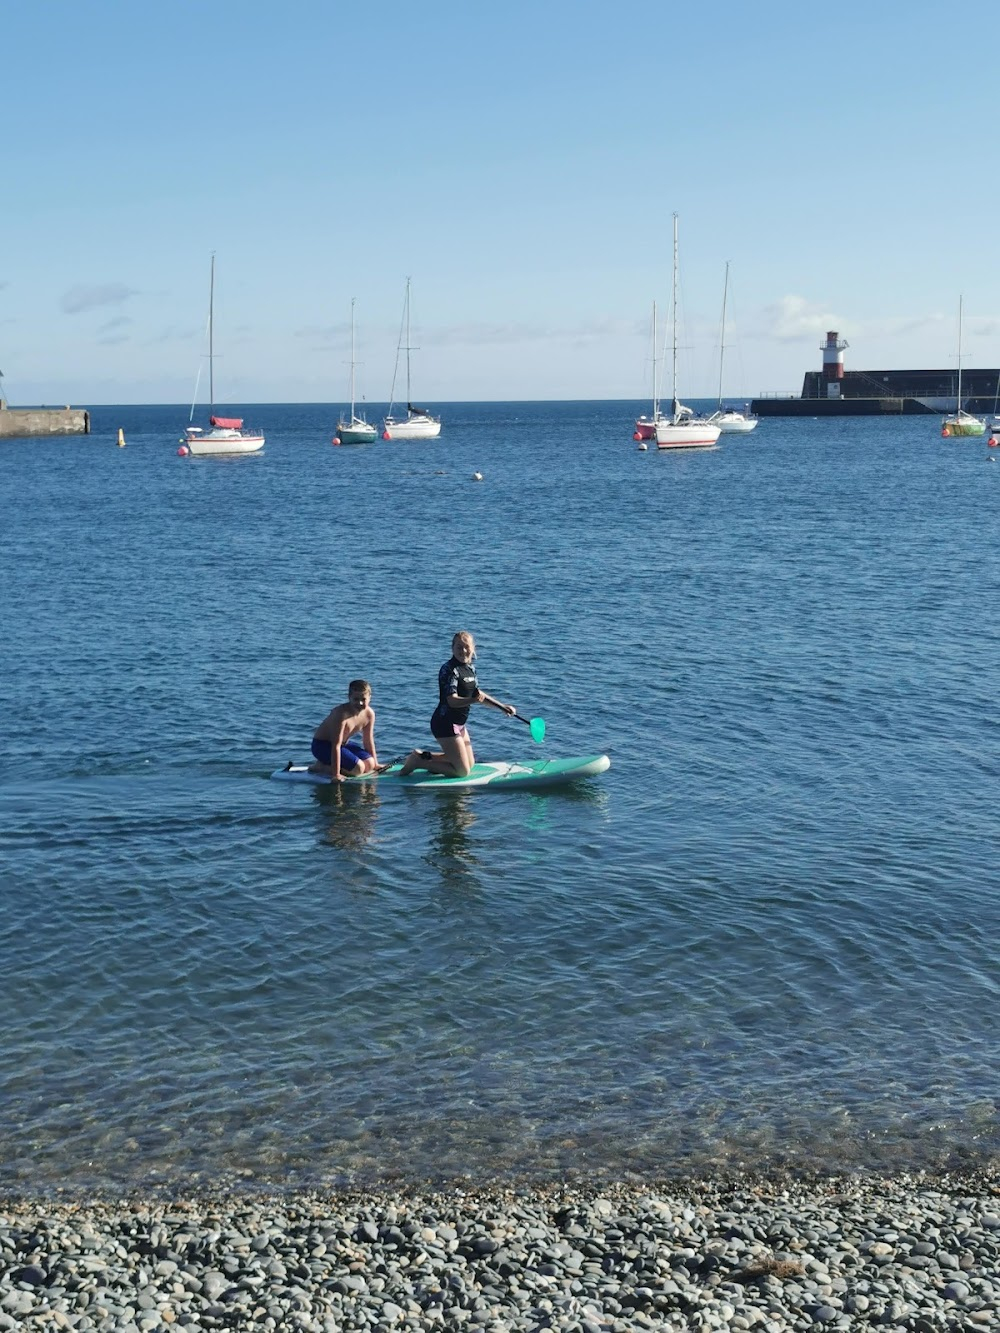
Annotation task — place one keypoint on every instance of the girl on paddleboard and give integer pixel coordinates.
(458, 690)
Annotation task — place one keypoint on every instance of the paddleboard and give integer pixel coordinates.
(530, 773)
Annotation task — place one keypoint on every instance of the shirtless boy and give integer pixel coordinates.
(335, 745)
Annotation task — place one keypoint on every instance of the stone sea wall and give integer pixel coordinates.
(19, 422)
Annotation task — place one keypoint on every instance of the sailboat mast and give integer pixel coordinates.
(722, 335)
(958, 404)
(407, 344)
(352, 358)
(211, 343)
(674, 301)
(656, 386)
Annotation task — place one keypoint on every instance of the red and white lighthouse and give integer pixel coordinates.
(833, 363)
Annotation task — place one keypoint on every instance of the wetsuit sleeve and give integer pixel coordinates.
(448, 680)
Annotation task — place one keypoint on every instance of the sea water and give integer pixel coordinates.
(767, 937)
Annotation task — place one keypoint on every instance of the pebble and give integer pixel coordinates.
(919, 1253)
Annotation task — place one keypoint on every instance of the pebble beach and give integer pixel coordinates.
(916, 1253)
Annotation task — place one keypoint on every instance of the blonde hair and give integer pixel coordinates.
(463, 634)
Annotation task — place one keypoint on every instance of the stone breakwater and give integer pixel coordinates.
(910, 1253)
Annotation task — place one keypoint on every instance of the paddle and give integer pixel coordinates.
(536, 725)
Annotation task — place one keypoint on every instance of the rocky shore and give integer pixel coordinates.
(915, 1253)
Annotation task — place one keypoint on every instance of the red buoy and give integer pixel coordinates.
(183, 451)
(335, 440)
(386, 435)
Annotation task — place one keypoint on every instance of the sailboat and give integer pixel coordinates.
(962, 423)
(225, 435)
(418, 423)
(645, 427)
(356, 429)
(728, 419)
(682, 430)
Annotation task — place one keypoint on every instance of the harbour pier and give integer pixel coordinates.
(16, 422)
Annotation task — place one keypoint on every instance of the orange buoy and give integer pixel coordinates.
(945, 433)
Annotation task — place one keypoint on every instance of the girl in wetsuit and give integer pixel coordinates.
(458, 690)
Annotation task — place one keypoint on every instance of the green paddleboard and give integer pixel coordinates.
(528, 773)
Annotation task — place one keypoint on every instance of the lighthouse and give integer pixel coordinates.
(833, 363)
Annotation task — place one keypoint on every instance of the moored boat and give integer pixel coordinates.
(418, 424)
(728, 419)
(225, 435)
(683, 429)
(355, 430)
(961, 423)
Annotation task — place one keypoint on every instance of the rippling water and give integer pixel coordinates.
(767, 936)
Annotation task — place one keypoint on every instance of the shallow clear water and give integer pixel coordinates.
(767, 935)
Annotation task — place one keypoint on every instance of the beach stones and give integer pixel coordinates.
(913, 1255)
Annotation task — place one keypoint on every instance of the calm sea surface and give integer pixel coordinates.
(769, 935)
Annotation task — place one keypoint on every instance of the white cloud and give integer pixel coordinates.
(793, 317)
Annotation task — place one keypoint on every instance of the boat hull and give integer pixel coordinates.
(645, 428)
(417, 428)
(356, 434)
(737, 424)
(965, 427)
(223, 442)
(690, 435)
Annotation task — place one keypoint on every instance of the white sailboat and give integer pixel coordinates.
(355, 430)
(645, 427)
(728, 419)
(225, 435)
(418, 424)
(962, 423)
(682, 430)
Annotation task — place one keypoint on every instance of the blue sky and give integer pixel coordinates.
(520, 162)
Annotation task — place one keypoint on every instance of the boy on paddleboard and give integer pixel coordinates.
(335, 744)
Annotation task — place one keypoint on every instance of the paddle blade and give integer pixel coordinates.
(537, 728)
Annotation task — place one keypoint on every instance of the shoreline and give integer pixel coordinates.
(917, 1251)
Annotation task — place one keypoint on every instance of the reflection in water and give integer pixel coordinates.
(451, 851)
(349, 814)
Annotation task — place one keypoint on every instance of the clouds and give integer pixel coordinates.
(793, 317)
(114, 331)
(79, 299)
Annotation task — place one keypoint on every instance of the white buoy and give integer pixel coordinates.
(643, 447)
(477, 476)
(121, 438)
